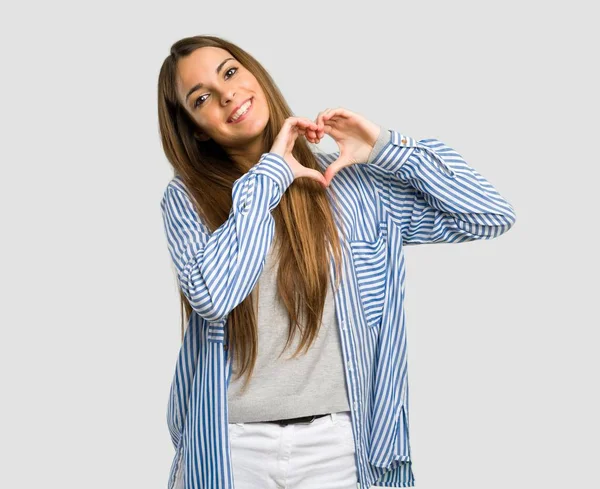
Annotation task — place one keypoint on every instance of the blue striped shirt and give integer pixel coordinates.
(411, 192)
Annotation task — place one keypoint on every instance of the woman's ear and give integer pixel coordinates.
(200, 136)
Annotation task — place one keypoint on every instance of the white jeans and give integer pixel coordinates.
(297, 456)
(319, 455)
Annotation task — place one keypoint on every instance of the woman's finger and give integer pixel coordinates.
(327, 116)
(315, 175)
(306, 127)
(319, 122)
(300, 121)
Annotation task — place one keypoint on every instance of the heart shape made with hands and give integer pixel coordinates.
(354, 134)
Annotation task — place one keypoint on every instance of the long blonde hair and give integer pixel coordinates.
(304, 223)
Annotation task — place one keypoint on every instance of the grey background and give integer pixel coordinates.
(503, 334)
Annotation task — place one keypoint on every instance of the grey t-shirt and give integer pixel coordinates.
(282, 387)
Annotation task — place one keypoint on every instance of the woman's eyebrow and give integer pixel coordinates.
(198, 86)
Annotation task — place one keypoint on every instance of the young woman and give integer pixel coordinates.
(280, 249)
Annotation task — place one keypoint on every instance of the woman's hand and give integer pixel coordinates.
(354, 135)
(284, 145)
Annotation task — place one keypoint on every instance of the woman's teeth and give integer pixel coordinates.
(241, 111)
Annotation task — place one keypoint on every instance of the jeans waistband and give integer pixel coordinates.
(300, 420)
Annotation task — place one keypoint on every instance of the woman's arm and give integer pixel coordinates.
(432, 193)
(217, 271)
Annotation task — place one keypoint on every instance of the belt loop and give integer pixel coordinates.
(333, 417)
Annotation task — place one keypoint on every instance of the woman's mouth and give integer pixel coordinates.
(244, 109)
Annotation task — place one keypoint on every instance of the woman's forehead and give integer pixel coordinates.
(203, 60)
(200, 65)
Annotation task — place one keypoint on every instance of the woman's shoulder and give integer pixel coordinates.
(175, 192)
(176, 183)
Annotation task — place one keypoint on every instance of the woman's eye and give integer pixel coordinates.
(200, 100)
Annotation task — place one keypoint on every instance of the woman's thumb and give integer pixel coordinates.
(318, 176)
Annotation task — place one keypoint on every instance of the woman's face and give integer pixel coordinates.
(225, 86)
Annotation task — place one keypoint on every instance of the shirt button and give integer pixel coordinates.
(403, 141)
(355, 406)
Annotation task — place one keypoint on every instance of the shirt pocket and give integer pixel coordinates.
(370, 264)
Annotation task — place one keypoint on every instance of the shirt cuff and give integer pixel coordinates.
(384, 138)
(274, 166)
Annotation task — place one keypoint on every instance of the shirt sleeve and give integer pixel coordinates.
(217, 271)
(433, 194)
(383, 139)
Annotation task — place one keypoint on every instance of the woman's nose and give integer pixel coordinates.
(227, 97)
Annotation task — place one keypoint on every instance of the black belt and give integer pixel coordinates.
(302, 419)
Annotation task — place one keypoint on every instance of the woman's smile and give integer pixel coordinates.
(245, 114)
